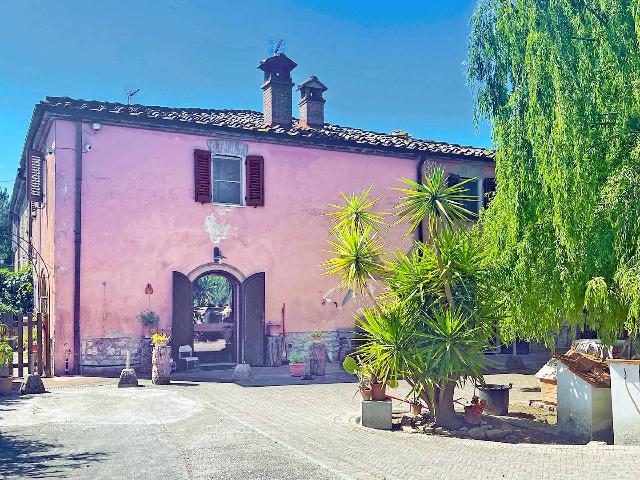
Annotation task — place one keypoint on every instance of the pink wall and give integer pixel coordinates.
(140, 222)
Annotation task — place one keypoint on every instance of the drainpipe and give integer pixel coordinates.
(421, 160)
(76, 243)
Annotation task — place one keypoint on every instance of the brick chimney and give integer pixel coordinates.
(312, 103)
(276, 89)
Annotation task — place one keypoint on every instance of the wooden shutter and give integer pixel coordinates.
(34, 176)
(254, 174)
(489, 190)
(202, 175)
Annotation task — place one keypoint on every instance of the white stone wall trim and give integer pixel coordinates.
(213, 267)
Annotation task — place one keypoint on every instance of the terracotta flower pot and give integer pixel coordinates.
(5, 385)
(366, 393)
(415, 409)
(296, 369)
(378, 391)
(472, 415)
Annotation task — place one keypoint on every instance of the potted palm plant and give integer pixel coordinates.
(296, 365)
(363, 373)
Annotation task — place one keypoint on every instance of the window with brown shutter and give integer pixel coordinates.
(202, 175)
(489, 191)
(34, 176)
(254, 174)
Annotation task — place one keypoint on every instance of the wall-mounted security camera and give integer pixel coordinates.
(87, 147)
(96, 127)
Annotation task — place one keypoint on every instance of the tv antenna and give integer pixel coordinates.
(131, 94)
(277, 46)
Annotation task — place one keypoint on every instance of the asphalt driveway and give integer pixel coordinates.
(102, 432)
(195, 430)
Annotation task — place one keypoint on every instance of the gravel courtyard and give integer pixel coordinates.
(199, 430)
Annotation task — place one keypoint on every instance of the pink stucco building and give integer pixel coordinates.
(114, 197)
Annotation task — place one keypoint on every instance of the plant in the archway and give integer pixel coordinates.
(435, 313)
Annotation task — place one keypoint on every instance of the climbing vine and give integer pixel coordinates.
(559, 81)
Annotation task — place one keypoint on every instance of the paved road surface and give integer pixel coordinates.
(206, 430)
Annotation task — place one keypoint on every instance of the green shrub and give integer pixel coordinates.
(6, 354)
(296, 358)
(148, 318)
(16, 290)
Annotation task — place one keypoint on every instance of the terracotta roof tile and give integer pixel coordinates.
(590, 369)
(251, 121)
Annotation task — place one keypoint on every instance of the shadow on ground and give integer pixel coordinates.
(9, 402)
(23, 456)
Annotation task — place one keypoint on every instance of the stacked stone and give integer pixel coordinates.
(161, 365)
(300, 342)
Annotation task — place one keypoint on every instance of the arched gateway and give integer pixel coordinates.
(220, 313)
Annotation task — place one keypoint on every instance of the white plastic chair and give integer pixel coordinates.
(185, 353)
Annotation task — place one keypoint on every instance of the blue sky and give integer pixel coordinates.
(388, 65)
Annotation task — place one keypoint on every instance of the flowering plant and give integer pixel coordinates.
(157, 338)
(477, 405)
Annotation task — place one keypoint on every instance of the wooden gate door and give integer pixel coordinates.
(252, 333)
(30, 337)
(182, 315)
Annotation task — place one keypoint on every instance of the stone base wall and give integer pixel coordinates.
(110, 353)
(299, 342)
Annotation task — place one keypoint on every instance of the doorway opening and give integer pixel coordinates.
(215, 318)
(219, 313)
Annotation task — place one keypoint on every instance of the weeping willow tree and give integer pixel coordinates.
(559, 81)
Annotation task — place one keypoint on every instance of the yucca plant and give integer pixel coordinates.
(356, 211)
(435, 314)
(356, 258)
(433, 200)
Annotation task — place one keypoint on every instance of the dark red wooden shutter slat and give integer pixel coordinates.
(202, 175)
(255, 181)
(34, 176)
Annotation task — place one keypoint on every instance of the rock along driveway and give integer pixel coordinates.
(206, 430)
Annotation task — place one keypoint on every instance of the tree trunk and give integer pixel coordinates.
(447, 287)
(275, 347)
(445, 415)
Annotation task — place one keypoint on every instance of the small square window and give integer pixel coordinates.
(226, 180)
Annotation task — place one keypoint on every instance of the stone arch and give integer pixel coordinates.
(213, 267)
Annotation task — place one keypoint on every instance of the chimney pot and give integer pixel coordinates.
(311, 102)
(276, 89)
